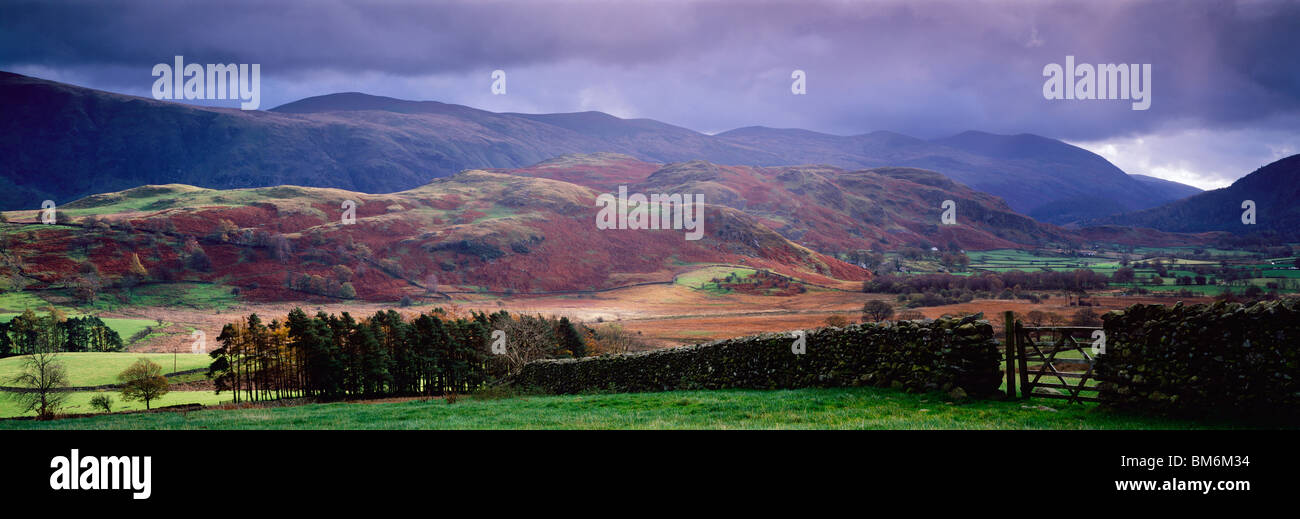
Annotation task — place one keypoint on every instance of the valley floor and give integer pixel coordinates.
(662, 315)
(838, 408)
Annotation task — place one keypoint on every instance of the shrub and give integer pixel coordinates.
(347, 291)
(910, 315)
(104, 402)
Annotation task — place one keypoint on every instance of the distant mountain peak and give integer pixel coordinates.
(357, 101)
(767, 130)
(1020, 145)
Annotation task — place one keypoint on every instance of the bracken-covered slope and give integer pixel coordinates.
(474, 231)
(834, 210)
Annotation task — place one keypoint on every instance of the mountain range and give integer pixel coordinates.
(1044, 178)
(64, 142)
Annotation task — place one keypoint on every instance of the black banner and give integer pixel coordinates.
(309, 469)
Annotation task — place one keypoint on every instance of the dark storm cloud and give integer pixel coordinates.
(927, 69)
(394, 37)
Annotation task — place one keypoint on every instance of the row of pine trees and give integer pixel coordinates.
(333, 357)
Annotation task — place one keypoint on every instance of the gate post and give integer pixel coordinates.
(1025, 390)
(1009, 344)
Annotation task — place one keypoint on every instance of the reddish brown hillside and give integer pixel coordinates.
(824, 208)
(476, 231)
(833, 210)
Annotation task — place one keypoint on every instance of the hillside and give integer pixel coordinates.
(1045, 178)
(65, 142)
(1275, 189)
(475, 231)
(1172, 190)
(834, 210)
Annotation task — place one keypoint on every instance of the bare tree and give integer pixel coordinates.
(1036, 317)
(431, 284)
(877, 310)
(527, 339)
(613, 338)
(42, 375)
(281, 248)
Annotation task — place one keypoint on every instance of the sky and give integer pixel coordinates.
(1225, 84)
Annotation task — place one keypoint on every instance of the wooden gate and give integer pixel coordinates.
(1053, 361)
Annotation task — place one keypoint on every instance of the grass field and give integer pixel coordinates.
(1003, 260)
(125, 328)
(203, 296)
(199, 296)
(96, 369)
(840, 408)
(699, 278)
(16, 302)
(79, 401)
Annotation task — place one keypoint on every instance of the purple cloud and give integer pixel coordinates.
(929, 70)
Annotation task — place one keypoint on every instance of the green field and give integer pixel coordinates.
(839, 408)
(1186, 250)
(1204, 290)
(16, 302)
(698, 278)
(96, 369)
(199, 296)
(125, 328)
(1260, 273)
(1002, 260)
(79, 401)
(148, 198)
